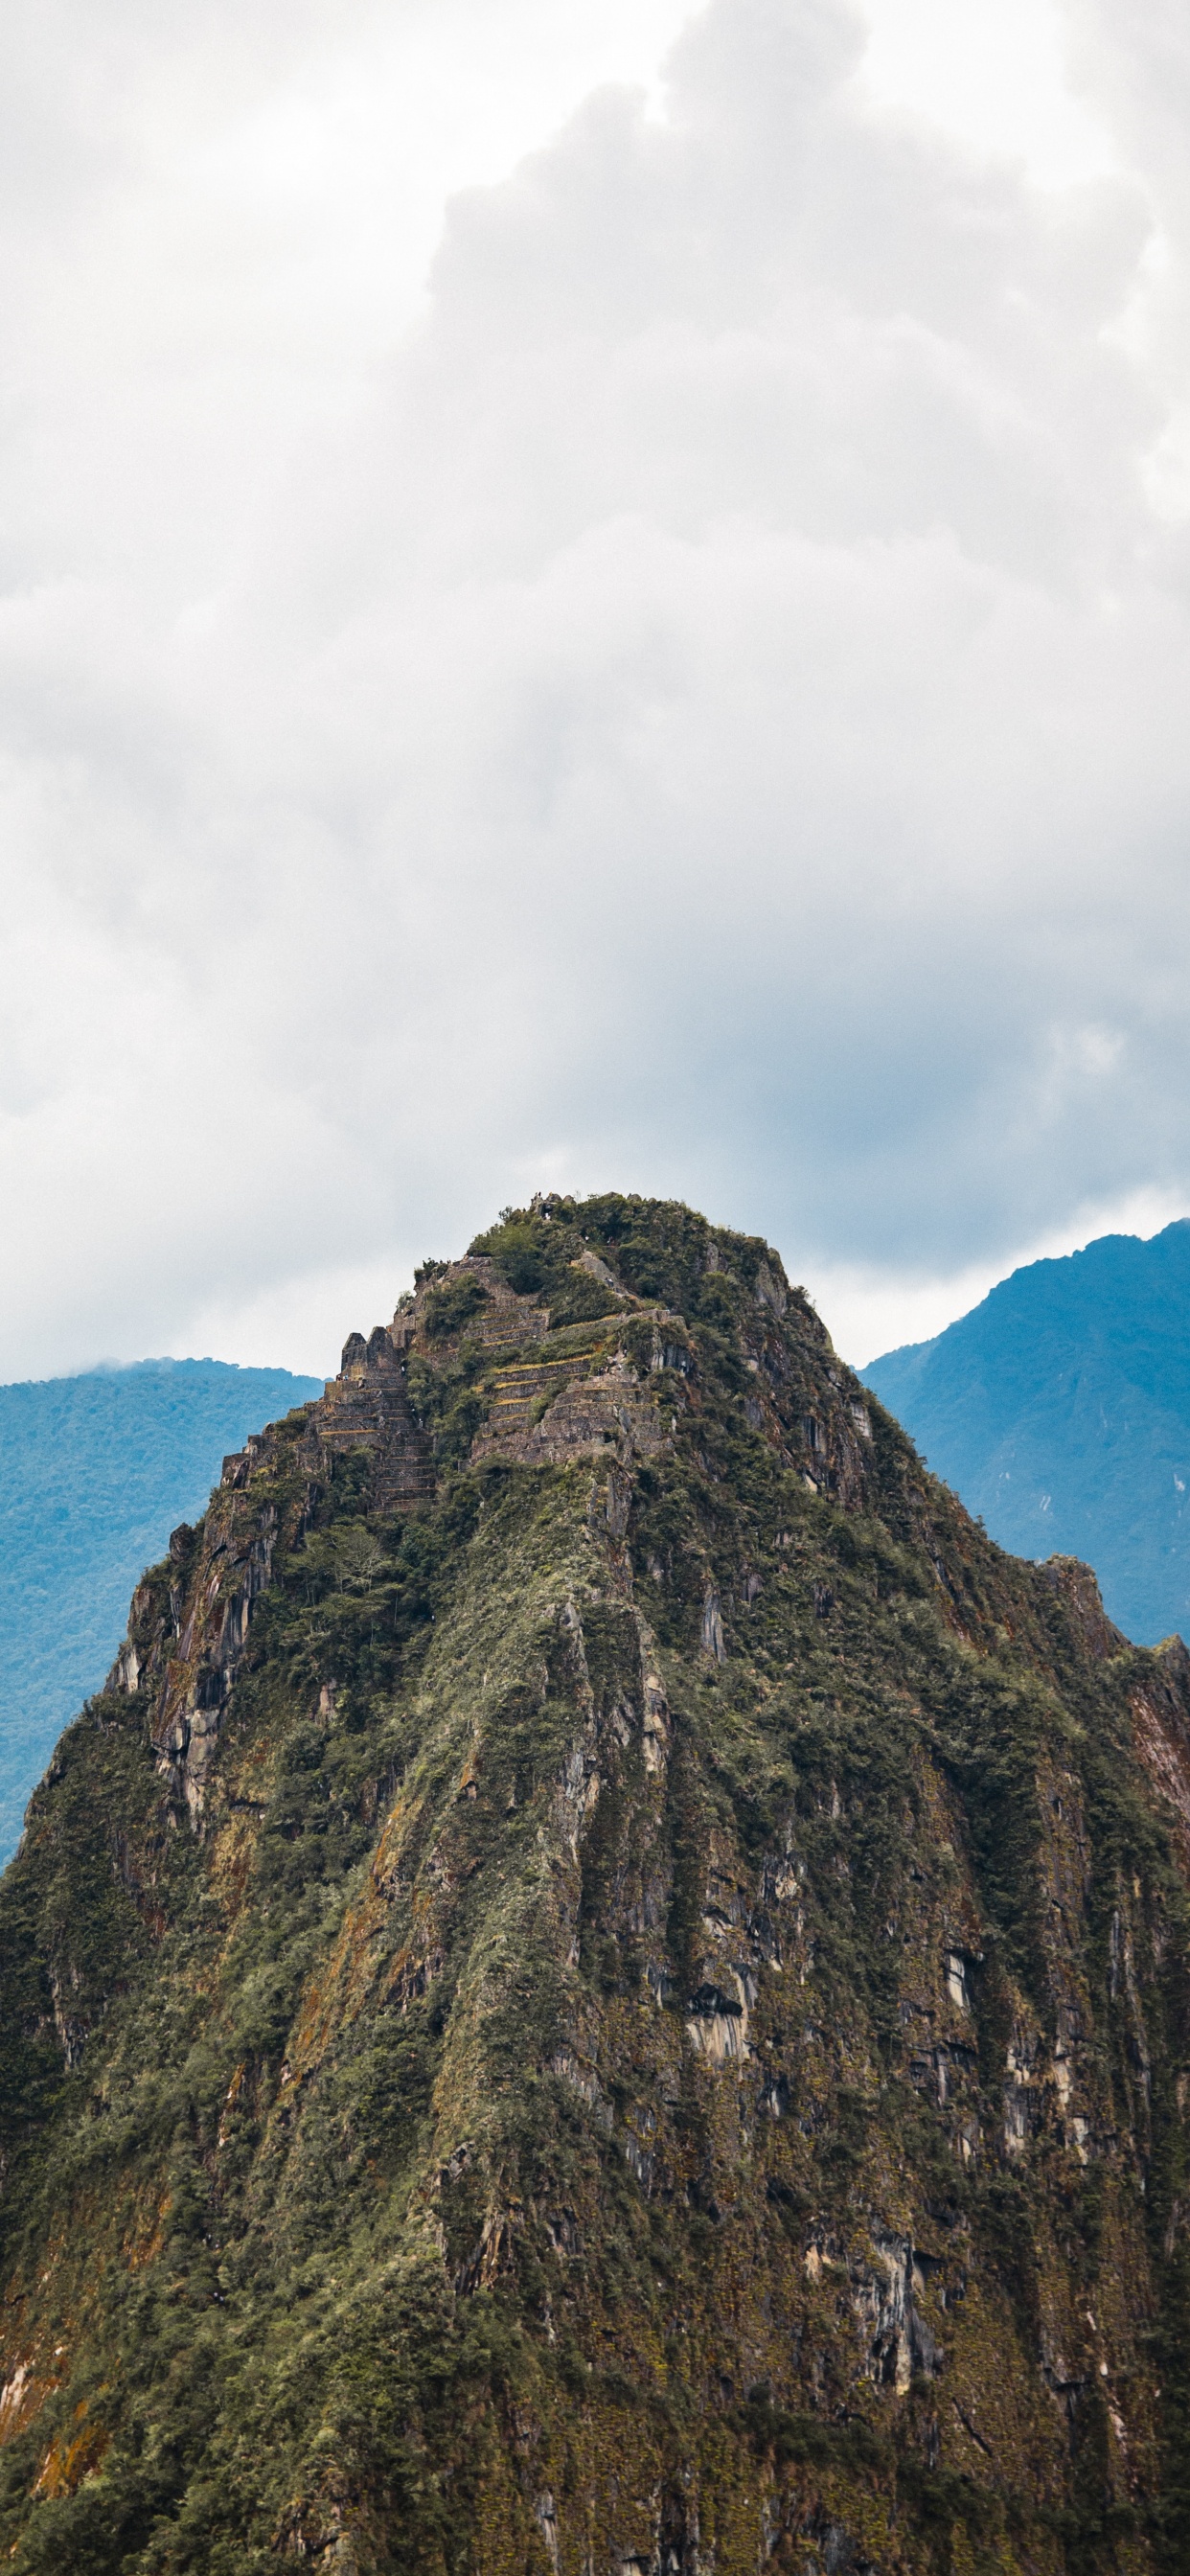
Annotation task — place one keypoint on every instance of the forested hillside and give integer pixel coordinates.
(1059, 1410)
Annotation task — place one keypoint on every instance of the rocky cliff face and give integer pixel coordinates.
(604, 1992)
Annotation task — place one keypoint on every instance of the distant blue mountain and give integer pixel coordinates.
(94, 1473)
(1059, 1410)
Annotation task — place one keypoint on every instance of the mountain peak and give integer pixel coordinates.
(601, 1989)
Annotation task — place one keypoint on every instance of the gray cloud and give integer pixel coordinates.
(704, 708)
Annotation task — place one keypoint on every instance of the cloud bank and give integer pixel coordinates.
(694, 701)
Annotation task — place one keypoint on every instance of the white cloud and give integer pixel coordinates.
(695, 702)
(996, 79)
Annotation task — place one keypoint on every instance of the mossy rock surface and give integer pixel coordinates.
(627, 2017)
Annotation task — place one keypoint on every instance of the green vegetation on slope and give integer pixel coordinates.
(630, 2015)
(94, 1472)
(1060, 1410)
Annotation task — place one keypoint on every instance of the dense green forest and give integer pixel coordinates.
(1059, 1410)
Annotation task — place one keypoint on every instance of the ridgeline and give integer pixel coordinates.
(1059, 1409)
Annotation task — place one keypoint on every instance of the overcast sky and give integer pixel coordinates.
(591, 596)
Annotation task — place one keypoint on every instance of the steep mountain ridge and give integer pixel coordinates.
(93, 1471)
(1059, 1409)
(606, 1989)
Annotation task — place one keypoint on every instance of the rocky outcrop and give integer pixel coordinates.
(1077, 1588)
(367, 1408)
(1160, 1704)
(436, 1320)
(234, 1562)
(563, 1411)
